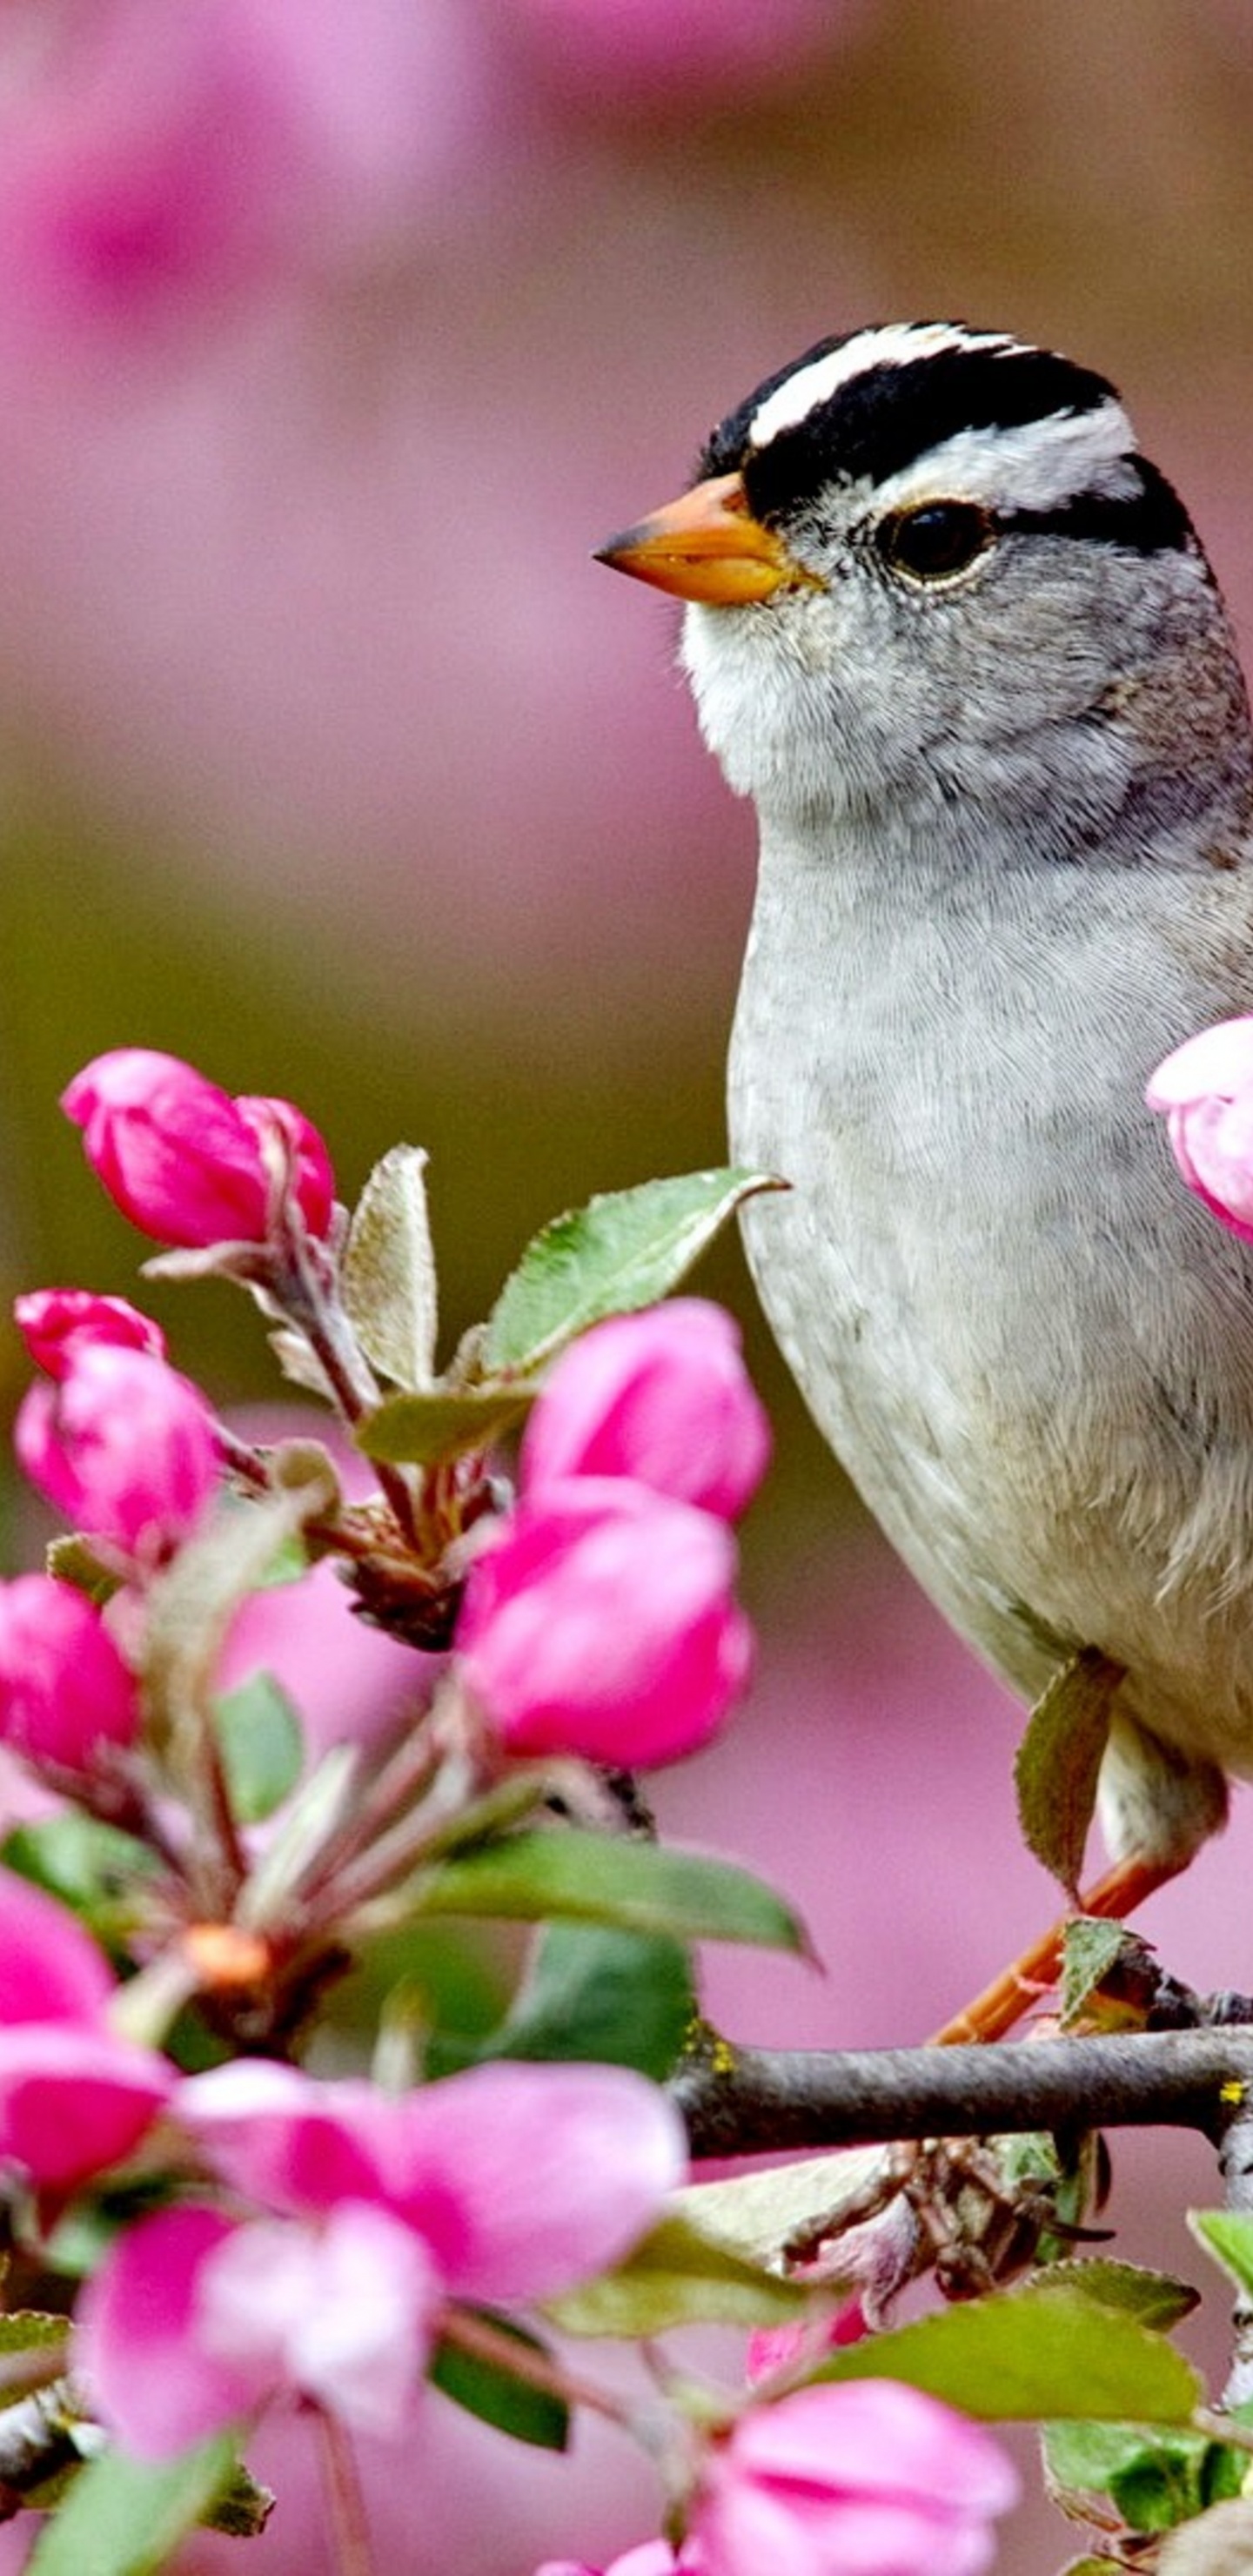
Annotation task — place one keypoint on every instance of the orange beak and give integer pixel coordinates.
(706, 546)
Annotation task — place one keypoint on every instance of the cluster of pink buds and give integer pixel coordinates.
(600, 1618)
(263, 2234)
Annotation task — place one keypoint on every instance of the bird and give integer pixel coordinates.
(957, 639)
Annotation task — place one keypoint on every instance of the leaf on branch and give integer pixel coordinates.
(1228, 2236)
(388, 1275)
(94, 1868)
(592, 1878)
(30, 2330)
(1090, 1949)
(678, 2275)
(427, 1429)
(192, 1603)
(1158, 2299)
(487, 2389)
(754, 2215)
(1059, 1760)
(70, 1559)
(1040, 2351)
(123, 2517)
(262, 1747)
(592, 1991)
(1154, 2481)
(622, 1251)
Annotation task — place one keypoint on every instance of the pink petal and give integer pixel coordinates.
(525, 2179)
(876, 2437)
(290, 2143)
(343, 2313)
(663, 1397)
(50, 1969)
(74, 2101)
(1217, 1061)
(155, 2386)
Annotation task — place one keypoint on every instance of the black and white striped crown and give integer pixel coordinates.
(921, 411)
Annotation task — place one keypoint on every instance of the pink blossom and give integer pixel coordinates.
(193, 2322)
(601, 1622)
(520, 2179)
(52, 1320)
(73, 2099)
(868, 2478)
(64, 1689)
(151, 2376)
(152, 162)
(508, 2182)
(1205, 1092)
(123, 1446)
(662, 1396)
(186, 1163)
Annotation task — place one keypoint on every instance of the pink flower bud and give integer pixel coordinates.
(52, 1320)
(186, 1163)
(662, 1396)
(64, 1689)
(123, 1446)
(869, 2475)
(601, 1622)
(73, 2098)
(1205, 1092)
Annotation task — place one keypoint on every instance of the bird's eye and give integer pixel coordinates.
(935, 542)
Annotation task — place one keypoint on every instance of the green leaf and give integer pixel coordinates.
(243, 2508)
(30, 2330)
(487, 2389)
(755, 2214)
(591, 1992)
(1154, 2480)
(95, 1869)
(320, 1806)
(388, 1273)
(1041, 2351)
(623, 1250)
(70, 1559)
(1157, 2299)
(123, 2517)
(678, 2275)
(592, 1878)
(261, 1744)
(1090, 1947)
(427, 1429)
(1229, 2238)
(1059, 1760)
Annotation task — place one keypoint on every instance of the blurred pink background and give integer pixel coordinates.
(331, 342)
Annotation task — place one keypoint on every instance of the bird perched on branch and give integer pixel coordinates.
(958, 640)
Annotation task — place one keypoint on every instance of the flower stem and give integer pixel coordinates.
(341, 2485)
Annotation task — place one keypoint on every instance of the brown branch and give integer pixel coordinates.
(745, 2101)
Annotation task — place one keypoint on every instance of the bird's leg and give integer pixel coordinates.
(1114, 1896)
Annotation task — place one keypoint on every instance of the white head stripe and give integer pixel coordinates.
(897, 345)
(1038, 466)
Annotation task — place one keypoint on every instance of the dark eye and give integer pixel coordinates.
(935, 542)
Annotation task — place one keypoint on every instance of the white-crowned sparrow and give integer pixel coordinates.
(959, 642)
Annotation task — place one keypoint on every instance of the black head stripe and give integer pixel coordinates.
(1150, 520)
(724, 449)
(887, 417)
